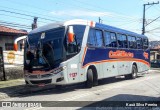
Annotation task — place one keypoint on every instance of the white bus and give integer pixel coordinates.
(83, 51)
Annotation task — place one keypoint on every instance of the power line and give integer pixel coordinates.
(76, 5)
(13, 23)
(25, 14)
(149, 7)
(14, 2)
(21, 18)
(61, 4)
(153, 21)
(91, 5)
(153, 34)
(14, 26)
(133, 21)
(33, 6)
(157, 8)
(98, 7)
(144, 19)
(104, 14)
(28, 12)
(153, 29)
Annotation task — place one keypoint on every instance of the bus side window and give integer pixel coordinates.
(132, 42)
(91, 38)
(139, 43)
(122, 41)
(99, 38)
(125, 44)
(95, 38)
(145, 43)
(75, 46)
(113, 40)
(107, 38)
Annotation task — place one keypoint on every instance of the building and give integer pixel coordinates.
(7, 37)
(154, 54)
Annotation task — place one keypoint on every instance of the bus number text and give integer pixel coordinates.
(73, 75)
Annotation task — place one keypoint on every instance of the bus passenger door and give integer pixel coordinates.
(72, 71)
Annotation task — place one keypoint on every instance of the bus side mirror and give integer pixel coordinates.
(70, 34)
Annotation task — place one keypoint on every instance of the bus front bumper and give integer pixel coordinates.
(45, 79)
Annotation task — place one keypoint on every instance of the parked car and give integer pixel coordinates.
(155, 63)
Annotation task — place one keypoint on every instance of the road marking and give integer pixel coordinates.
(109, 87)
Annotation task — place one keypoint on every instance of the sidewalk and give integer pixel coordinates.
(14, 88)
(8, 87)
(155, 69)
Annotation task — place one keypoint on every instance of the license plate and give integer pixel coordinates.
(41, 85)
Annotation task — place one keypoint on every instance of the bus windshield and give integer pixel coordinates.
(44, 49)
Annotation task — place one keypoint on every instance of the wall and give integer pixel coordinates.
(6, 39)
(154, 55)
(13, 61)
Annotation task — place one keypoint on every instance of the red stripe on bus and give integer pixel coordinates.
(118, 60)
(84, 54)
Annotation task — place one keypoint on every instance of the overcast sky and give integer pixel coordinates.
(126, 14)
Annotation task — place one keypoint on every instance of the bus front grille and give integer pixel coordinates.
(40, 76)
(41, 81)
(46, 75)
(33, 76)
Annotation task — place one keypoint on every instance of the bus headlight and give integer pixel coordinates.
(57, 70)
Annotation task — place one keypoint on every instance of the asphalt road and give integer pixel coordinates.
(144, 88)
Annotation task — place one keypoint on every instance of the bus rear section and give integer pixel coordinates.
(114, 52)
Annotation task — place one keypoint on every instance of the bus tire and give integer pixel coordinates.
(26, 82)
(133, 75)
(89, 82)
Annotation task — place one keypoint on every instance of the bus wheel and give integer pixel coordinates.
(89, 82)
(133, 75)
(26, 82)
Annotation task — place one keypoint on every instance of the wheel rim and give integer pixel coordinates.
(134, 73)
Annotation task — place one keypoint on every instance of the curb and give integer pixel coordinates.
(154, 70)
(3, 96)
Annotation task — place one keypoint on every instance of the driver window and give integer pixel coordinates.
(75, 46)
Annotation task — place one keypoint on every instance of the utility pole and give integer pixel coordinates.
(144, 19)
(100, 20)
(34, 24)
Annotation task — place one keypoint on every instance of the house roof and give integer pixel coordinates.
(8, 30)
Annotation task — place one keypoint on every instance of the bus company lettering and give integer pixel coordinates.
(145, 55)
(120, 54)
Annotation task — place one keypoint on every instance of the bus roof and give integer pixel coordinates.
(60, 24)
(84, 22)
(117, 30)
(46, 27)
